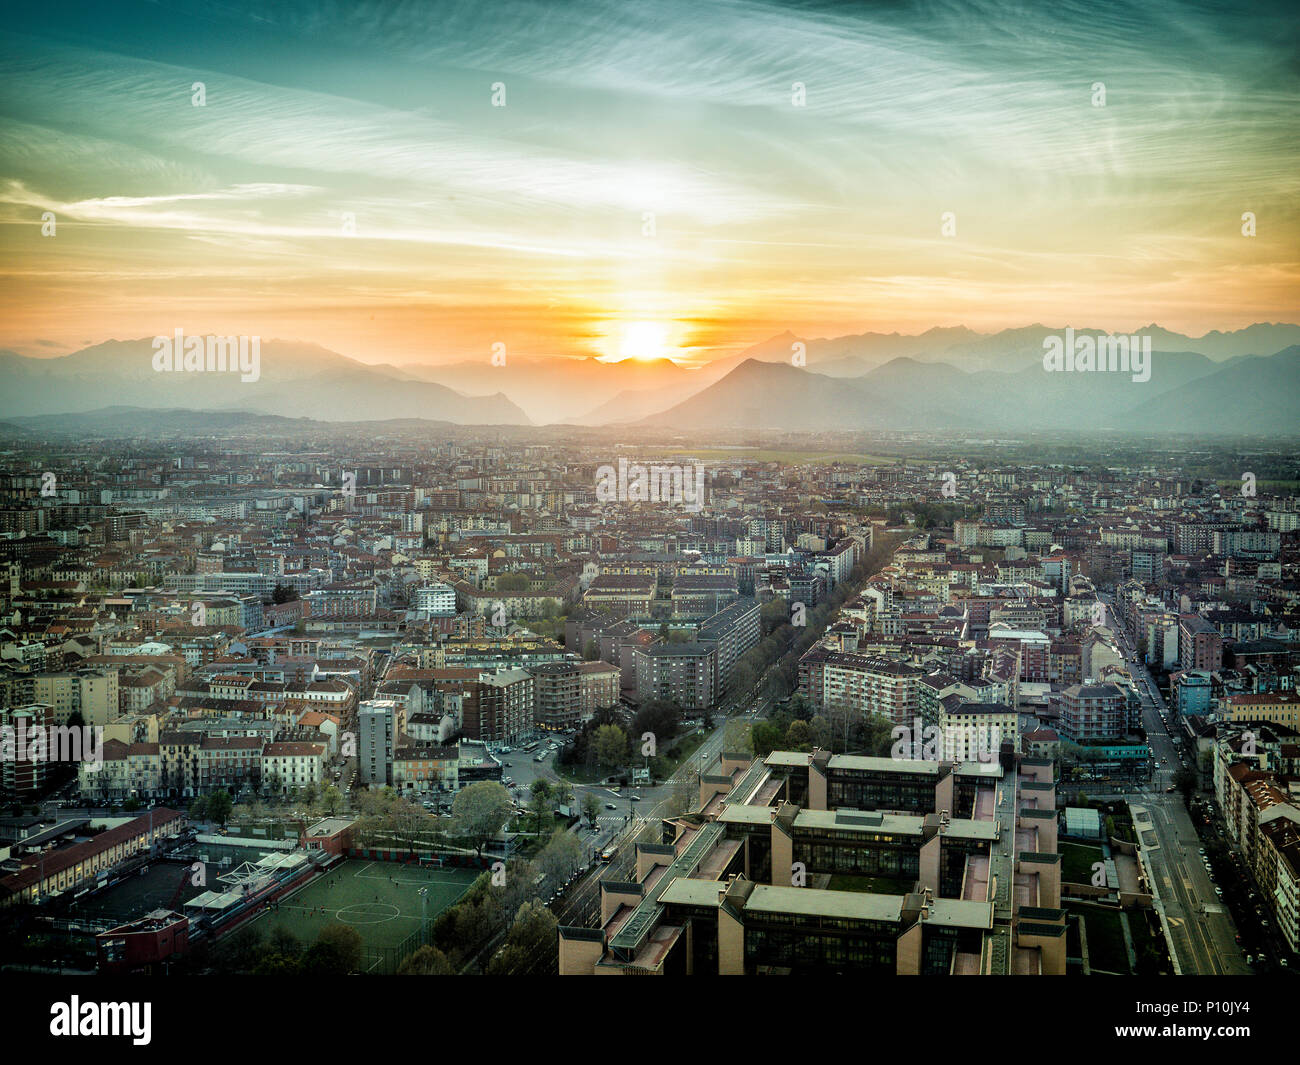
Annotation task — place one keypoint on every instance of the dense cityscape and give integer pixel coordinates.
(991, 713)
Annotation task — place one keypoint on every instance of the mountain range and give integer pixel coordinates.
(296, 380)
(945, 377)
(1187, 392)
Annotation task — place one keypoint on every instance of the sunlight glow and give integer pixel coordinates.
(643, 340)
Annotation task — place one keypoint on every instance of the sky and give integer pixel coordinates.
(668, 178)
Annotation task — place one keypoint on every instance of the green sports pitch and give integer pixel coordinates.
(380, 900)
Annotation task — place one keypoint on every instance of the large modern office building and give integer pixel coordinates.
(812, 863)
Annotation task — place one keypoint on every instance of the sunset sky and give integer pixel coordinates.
(525, 224)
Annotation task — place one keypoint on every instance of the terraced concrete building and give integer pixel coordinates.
(812, 863)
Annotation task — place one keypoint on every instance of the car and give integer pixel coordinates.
(610, 806)
(636, 798)
(1282, 962)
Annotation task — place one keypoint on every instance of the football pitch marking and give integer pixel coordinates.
(362, 874)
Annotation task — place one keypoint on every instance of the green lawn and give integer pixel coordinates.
(1077, 860)
(1105, 937)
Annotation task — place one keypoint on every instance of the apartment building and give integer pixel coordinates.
(421, 769)
(1200, 646)
(377, 728)
(92, 693)
(1093, 712)
(1274, 708)
(862, 684)
(288, 766)
(731, 632)
(500, 706)
(678, 673)
(976, 731)
(558, 695)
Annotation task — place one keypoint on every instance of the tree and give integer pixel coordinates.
(282, 941)
(541, 803)
(531, 946)
(336, 952)
(590, 808)
(662, 719)
(332, 797)
(411, 824)
(766, 737)
(563, 792)
(738, 736)
(591, 652)
(560, 857)
(219, 807)
(283, 593)
(427, 961)
(480, 812)
(610, 745)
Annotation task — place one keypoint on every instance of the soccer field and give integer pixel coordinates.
(379, 899)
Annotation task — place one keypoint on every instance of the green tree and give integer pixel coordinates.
(610, 746)
(541, 804)
(532, 945)
(219, 807)
(591, 652)
(766, 737)
(590, 808)
(560, 857)
(427, 961)
(336, 952)
(480, 811)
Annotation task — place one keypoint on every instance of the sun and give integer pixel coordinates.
(644, 340)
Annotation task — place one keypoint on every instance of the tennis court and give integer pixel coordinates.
(379, 899)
